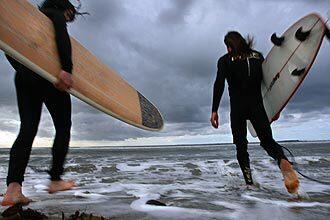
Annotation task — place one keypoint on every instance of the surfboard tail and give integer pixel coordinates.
(151, 117)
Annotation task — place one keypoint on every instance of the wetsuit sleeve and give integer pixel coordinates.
(62, 39)
(219, 85)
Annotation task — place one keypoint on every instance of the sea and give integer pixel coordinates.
(194, 181)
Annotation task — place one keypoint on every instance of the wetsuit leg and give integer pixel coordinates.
(29, 99)
(59, 106)
(239, 132)
(261, 124)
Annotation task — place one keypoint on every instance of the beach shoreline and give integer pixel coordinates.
(194, 182)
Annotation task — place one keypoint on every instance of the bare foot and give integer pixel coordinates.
(61, 185)
(15, 196)
(290, 177)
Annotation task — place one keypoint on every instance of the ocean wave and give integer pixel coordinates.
(286, 203)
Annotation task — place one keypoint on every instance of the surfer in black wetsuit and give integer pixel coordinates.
(32, 91)
(242, 68)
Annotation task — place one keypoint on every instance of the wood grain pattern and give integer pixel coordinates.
(28, 36)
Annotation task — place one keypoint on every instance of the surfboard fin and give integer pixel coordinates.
(297, 72)
(302, 35)
(277, 40)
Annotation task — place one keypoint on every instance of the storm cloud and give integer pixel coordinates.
(168, 50)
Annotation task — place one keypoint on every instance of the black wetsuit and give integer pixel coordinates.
(32, 91)
(244, 75)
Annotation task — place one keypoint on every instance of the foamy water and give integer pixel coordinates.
(196, 182)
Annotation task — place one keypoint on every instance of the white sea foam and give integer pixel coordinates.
(40, 187)
(132, 168)
(216, 192)
(147, 192)
(29, 171)
(307, 159)
(3, 170)
(285, 203)
(230, 162)
(228, 205)
(105, 188)
(92, 196)
(308, 186)
(174, 212)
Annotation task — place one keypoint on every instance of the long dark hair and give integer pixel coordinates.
(62, 5)
(239, 46)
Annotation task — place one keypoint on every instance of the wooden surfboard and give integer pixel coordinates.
(288, 63)
(28, 36)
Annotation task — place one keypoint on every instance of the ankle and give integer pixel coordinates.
(14, 188)
(285, 164)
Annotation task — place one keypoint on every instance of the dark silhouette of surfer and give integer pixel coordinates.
(32, 91)
(242, 68)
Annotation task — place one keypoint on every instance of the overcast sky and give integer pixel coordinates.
(168, 50)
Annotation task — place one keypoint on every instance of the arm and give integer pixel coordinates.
(64, 49)
(219, 86)
(62, 39)
(218, 89)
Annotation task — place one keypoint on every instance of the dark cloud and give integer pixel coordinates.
(7, 89)
(168, 50)
(102, 13)
(176, 12)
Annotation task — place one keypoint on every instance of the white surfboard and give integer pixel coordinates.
(288, 63)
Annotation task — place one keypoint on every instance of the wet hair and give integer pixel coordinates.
(62, 5)
(239, 46)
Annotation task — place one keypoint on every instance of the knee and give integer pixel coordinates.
(28, 132)
(267, 142)
(241, 151)
(63, 134)
(63, 128)
(240, 142)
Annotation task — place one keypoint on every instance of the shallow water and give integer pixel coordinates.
(196, 182)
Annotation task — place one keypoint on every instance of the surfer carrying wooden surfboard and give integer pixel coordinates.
(242, 68)
(32, 91)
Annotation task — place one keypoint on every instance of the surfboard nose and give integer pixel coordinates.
(151, 117)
